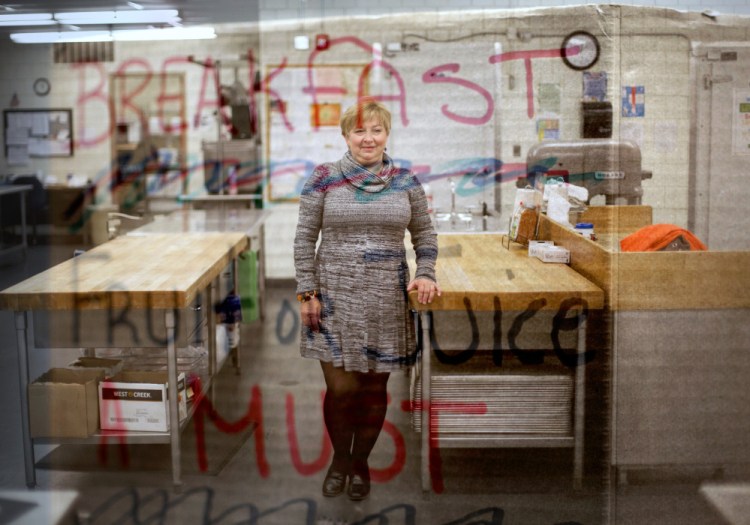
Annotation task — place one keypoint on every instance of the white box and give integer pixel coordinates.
(136, 400)
(536, 247)
(555, 254)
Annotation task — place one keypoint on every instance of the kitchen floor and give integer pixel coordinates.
(259, 454)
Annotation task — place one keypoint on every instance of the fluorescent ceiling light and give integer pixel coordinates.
(29, 18)
(153, 16)
(135, 5)
(122, 35)
(169, 33)
(60, 37)
(13, 23)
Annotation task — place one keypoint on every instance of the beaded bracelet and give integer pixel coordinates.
(306, 296)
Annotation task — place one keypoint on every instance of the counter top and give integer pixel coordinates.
(220, 198)
(210, 220)
(7, 189)
(479, 268)
(732, 500)
(156, 271)
(681, 280)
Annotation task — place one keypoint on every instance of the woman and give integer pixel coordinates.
(353, 290)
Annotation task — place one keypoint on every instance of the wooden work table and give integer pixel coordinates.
(653, 280)
(479, 268)
(162, 272)
(680, 360)
(477, 273)
(220, 219)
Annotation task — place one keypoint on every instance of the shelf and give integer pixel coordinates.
(137, 437)
(130, 437)
(496, 441)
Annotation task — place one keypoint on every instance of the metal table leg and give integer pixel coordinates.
(174, 413)
(211, 320)
(262, 273)
(236, 351)
(425, 319)
(23, 380)
(24, 239)
(580, 405)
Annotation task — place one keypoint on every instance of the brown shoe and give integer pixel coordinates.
(359, 488)
(334, 483)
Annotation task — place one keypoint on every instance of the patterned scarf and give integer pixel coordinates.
(365, 180)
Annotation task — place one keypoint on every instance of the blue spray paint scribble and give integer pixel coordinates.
(160, 507)
(402, 182)
(373, 354)
(475, 175)
(569, 358)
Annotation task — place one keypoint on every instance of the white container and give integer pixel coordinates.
(586, 229)
(537, 247)
(98, 222)
(555, 254)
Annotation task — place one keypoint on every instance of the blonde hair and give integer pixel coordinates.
(364, 110)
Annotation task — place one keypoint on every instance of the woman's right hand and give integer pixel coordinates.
(310, 312)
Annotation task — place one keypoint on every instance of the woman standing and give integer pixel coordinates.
(353, 289)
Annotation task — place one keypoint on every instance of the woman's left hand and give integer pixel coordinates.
(426, 289)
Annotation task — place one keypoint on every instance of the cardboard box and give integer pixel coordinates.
(64, 403)
(136, 400)
(109, 367)
(536, 247)
(555, 254)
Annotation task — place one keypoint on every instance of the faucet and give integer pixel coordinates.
(453, 213)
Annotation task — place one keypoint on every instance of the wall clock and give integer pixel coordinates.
(580, 50)
(41, 87)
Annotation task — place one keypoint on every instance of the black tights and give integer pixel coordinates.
(354, 410)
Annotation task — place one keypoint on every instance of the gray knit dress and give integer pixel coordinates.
(360, 265)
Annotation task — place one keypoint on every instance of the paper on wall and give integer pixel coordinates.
(18, 155)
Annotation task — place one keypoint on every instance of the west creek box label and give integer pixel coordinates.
(138, 401)
(128, 394)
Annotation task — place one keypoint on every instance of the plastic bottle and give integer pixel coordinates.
(232, 180)
(586, 229)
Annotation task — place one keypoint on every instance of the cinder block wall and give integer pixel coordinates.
(446, 65)
(85, 88)
(293, 9)
(453, 106)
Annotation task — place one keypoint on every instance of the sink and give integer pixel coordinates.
(464, 222)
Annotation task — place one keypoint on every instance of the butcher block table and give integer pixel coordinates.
(164, 272)
(678, 318)
(252, 222)
(476, 269)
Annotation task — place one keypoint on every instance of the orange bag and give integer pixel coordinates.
(660, 237)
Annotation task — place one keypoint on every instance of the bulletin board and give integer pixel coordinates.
(37, 133)
(302, 131)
